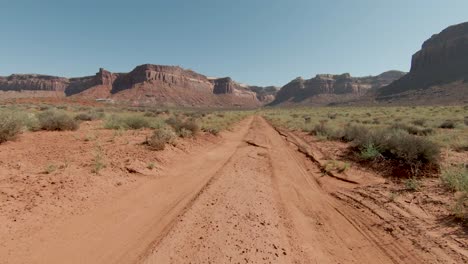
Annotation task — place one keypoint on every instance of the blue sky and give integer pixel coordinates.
(260, 42)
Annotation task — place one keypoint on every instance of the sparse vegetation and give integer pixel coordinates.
(407, 135)
(337, 166)
(412, 129)
(412, 184)
(50, 169)
(10, 126)
(448, 124)
(132, 121)
(56, 120)
(151, 165)
(160, 138)
(369, 152)
(98, 161)
(89, 116)
(455, 178)
(183, 128)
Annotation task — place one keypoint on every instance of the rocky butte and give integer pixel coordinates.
(439, 71)
(327, 88)
(146, 84)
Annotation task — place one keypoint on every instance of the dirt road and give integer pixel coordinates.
(251, 199)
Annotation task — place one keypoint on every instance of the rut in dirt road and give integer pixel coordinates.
(265, 207)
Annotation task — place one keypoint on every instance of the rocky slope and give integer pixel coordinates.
(441, 65)
(146, 84)
(328, 88)
(265, 94)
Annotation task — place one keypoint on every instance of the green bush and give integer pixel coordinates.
(160, 138)
(127, 122)
(419, 122)
(184, 133)
(412, 184)
(394, 144)
(191, 126)
(10, 126)
(212, 130)
(448, 124)
(114, 122)
(178, 124)
(325, 130)
(90, 116)
(369, 152)
(136, 122)
(54, 120)
(455, 178)
(412, 129)
(355, 132)
(408, 148)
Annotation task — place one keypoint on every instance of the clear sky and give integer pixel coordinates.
(259, 42)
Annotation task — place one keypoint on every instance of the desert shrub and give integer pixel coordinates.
(54, 120)
(323, 129)
(90, 116)
(412, 129)
(355, 132)
(332, 115)
(460, 209)
(136, 122)
(419, 122)
(460, 146)
(184, 133)
(160, 138)
(394, 144)
(44, 107)
(150, 114)
(83, 117)
(127, 122)
(174, 121)
(466, 120)
(369, 152)
(114, 122)
(191, 126)
(212, 130)
(179, 124)
(448, 124)
(412, 184)
(409, 148)
(455, 178)
(10, 126)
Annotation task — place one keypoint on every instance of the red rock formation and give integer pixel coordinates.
(155, 84)
(299, 89)
(443, 59)
(34, 82)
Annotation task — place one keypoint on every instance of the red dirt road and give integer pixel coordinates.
(250, 199)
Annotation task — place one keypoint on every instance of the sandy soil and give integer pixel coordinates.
(252, 196)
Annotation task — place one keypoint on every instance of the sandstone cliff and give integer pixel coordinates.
(300, 90)
(265, 94)
(442, 61)
(146, 84)
(33, 82)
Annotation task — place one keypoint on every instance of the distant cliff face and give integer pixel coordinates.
(35, 82)
(443, 59)
(153, 84)
(265, 94)
(299, 89)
